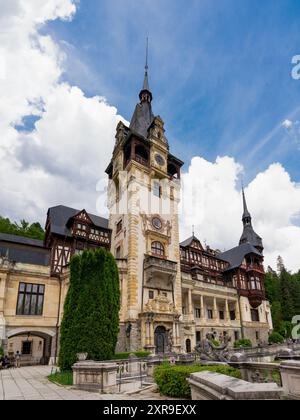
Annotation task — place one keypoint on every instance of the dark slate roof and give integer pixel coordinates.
(60, 215)
(142, 118)
(236, 255)
(251, 237)
(21, 240)
(24, 250)
(189, 241)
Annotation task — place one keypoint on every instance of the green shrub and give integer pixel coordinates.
(172, 380)
(125, 355)
(1, 352)
(243, 343)
(276, 338)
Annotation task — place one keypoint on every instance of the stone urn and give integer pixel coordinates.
(82, 357)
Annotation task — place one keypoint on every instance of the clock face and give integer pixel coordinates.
(156, 222)
(160, 160)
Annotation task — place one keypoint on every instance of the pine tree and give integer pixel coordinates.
(91, 313)
(287, 303)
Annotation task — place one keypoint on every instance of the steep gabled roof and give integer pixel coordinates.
(60, 215)
(189, 241)
(235, 256)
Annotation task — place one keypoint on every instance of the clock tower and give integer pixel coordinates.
(143, 198)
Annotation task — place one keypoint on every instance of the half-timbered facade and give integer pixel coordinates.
(70, 231)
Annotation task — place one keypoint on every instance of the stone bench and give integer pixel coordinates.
(214, 386)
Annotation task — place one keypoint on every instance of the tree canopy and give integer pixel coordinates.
(91, 312)
(23, 228)
(283, 292)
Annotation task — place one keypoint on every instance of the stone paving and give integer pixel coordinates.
(31, 383)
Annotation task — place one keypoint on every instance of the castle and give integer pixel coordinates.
(172, 293)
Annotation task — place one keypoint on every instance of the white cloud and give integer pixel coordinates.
(287, 124)
(213, 203)
(60, 161)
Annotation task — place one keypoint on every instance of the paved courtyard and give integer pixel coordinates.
(31, 383)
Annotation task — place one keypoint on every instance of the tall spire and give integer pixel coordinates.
(246, 214)
(143, 116)
(145, 94)
(249, 235)
(146, 81)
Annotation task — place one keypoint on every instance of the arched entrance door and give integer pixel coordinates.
(188, 346)
(160, 336)
(34, 346)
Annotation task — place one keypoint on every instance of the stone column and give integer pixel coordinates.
(227, 313)
(190, 303)
(151, 330)
(237, 311)
(215, 310)
(202, 309)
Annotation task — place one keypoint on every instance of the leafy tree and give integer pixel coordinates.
(276, 338)
(34, 230)
(91, 312)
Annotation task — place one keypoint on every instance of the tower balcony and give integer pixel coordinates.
(156, 267)
(255, 267)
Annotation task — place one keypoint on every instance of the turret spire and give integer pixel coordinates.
(143, 116)
(145, 94)
(249, 235)
(246, 214)
(146, 81)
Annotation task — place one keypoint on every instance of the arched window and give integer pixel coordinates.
(158, 249)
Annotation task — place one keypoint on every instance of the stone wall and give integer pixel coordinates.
(214, 386)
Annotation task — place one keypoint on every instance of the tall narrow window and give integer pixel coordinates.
(30, 299)
(254, 315)
(157, 191)
(158, 249)
(118, 252)
(119, 226)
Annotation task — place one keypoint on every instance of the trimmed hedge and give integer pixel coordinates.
(125, 355)
(243, 343)
(276, 338)
(172, 380)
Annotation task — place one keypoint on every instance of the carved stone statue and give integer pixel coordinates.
(210, 352)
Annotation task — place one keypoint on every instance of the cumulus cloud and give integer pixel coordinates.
(63, 157)
(61, 160)
(213, 204)
(287, 124)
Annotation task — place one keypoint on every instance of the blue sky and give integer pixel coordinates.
(220, 71)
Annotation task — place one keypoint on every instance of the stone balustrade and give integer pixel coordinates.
(290, 376)
(95, 376)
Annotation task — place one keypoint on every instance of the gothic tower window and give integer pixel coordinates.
(158, 249)
(141, 155)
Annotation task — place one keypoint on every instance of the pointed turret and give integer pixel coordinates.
(143, 115)
(249, 235)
